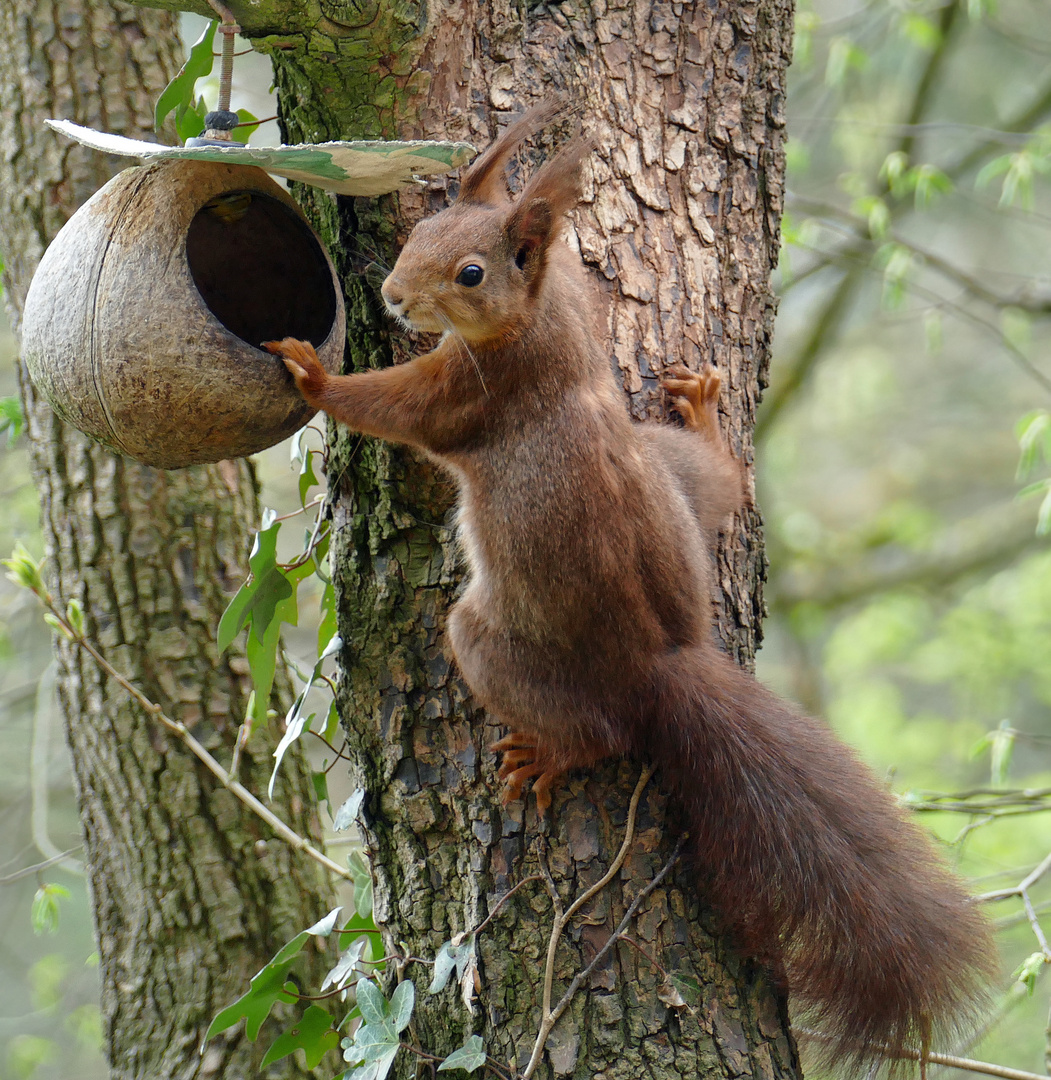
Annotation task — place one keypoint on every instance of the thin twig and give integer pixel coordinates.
(581, 976)
(1034, 924)
(29, 871)
(1023, 886)
(290, 836)
(503, 900)
(550, 1016)
(649, 956)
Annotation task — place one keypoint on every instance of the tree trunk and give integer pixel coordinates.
(191, 893)
(681, 228)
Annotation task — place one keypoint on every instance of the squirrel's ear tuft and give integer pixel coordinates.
(539, 215)
(560, 181)
(486, 180)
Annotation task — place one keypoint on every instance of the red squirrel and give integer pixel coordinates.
(585, 625)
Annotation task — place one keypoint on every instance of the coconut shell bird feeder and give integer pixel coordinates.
(144, 323)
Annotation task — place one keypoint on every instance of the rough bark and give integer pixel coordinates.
(191, 894)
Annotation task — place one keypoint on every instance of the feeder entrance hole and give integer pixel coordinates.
(260, 270)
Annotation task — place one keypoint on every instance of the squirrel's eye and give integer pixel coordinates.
(470, 276)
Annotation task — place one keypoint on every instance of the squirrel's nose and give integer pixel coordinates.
(391, 293)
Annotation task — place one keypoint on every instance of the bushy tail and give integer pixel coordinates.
(815, 870)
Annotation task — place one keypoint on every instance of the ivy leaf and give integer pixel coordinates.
(269, 986)
(319, 780)
(451, 956)
(180, 91)
(261, 562)
(313, 1034)
(348, 812)
(362, 876)
(402, 1002)
(469, 1057)
(686, 988)
(251, 123)
(295, 722)
(347, 964)
(327, 627)
(331, 723)
(189, 119)
(373, 1004)
(307, 479)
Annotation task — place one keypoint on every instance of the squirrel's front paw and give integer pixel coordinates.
(302, 361)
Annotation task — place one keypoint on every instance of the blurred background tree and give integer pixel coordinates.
(910, 594)
(190, 893)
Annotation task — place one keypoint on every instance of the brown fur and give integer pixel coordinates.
(585, 622)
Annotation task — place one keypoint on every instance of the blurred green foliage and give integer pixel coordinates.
(910, 594)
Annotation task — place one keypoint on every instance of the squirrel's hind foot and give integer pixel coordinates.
(695, 396)
(523, 759)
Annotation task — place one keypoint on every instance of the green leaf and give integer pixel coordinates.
(347, 965)
(331, 723)
(181, 90)
(295, 722)
(12, 419)
(327, 627)
(362, 876)
(1028, 971)
(24, 570)
(402, 1002)
(267, 988)
(189, 119)
(324, 927)
(313, 1034)
(262, 665)
(75, 616)
(469, 1057)
(689, 988)
(347, 814)
(1043, 518)
(451, 956)
(270, 590)
(876, 213)
(1034, 436)
(307, 479)
(45, 910)
(928, 182)
(243, 134)
(373, 1004)
(1000, 743)
(319, 780)
(894, 170)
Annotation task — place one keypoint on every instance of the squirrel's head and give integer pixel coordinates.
(476, 268)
